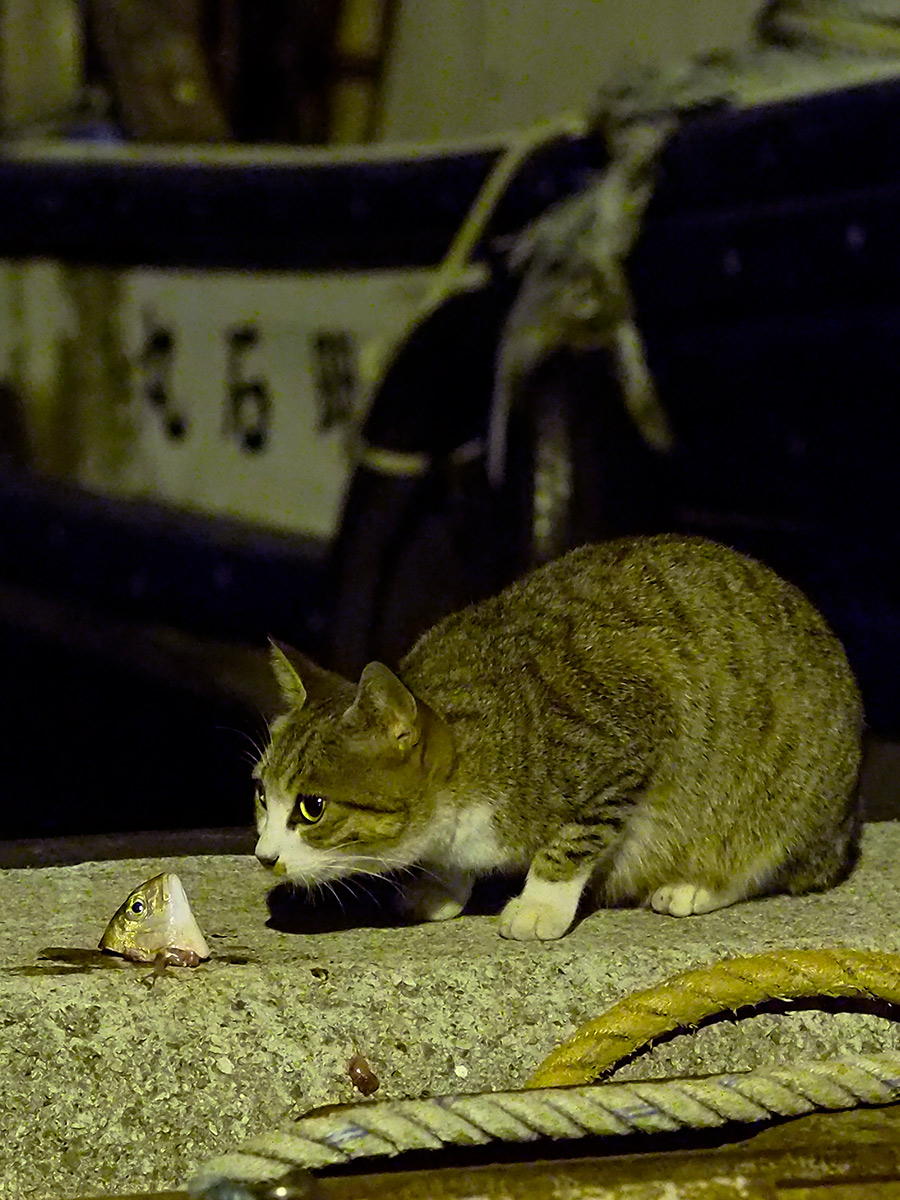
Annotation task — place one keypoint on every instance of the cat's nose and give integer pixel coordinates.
(267, 862)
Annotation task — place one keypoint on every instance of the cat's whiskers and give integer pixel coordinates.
(355, 882)
(425, 871)
(249, 757)
(412, 871)
(263, 732)
(241, 733)
(359, 875)
(376, 865)
(327, 883)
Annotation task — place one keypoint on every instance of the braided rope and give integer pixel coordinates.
(685, 1000)
(547, 1109)
(390, 1127)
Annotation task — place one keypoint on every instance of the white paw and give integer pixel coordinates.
(429, 900)
(524, 920)
(687, 899)
(437, 908)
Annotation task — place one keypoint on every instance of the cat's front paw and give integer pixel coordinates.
(433, 905)
(525, 920)
(437, 898)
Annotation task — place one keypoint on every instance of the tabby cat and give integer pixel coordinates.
(660, 715)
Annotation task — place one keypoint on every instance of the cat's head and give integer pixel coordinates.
(346, 782)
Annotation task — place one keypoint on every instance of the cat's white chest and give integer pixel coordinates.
(474, 844)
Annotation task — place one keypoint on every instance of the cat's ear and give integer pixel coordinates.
(300, 679)
(385, 704)
(292, 689)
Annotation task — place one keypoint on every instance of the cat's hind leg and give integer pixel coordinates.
(658, 866)
(689, 899)
(824, 863)
(819, 864)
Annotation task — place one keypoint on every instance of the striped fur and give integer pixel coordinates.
(659, 715)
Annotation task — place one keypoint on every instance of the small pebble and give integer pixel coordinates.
(362, 1076)
(225, 1065)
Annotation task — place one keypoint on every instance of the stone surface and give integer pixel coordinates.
(110, 1085)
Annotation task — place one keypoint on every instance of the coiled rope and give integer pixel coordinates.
(549, 1109)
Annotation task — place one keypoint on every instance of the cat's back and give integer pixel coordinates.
(681, 585)
(686, 606)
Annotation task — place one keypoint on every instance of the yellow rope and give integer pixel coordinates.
(458, 271)
(685, 1000)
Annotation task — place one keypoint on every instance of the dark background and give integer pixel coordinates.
(765, 282)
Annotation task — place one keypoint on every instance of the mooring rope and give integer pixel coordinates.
(548, 1109)
(686, 999)
(391, 1127)
(459, 271)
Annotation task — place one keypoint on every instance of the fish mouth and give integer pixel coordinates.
(183, 916)
(173, 888)
(158, 888)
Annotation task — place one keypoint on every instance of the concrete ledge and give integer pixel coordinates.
(109, 1085)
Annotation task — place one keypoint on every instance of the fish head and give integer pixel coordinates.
(155, 918)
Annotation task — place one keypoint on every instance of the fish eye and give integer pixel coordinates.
(137, 907)
(310, 808)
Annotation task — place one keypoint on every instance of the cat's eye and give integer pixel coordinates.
(310, 808)
(259, 793)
